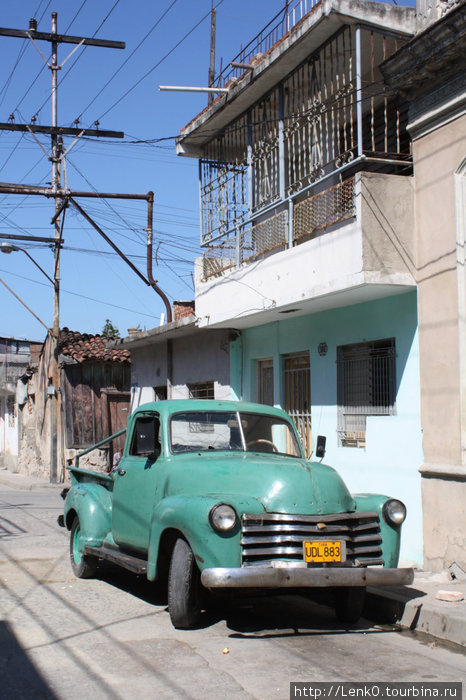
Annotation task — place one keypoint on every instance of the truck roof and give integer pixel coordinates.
(172, 406)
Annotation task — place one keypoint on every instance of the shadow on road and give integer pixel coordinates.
(19, 678)
(248, 615)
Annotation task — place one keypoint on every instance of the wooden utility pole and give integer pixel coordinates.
(211, 78)
(56, 157)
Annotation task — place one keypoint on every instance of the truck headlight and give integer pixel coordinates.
(222, 517)
(394, 512)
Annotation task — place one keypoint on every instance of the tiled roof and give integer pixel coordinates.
(82, 347)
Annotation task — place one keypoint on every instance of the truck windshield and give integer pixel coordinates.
(198, 431)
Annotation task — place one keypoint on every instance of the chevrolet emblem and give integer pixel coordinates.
(321, 526)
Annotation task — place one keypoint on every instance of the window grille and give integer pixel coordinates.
(160, 392)
(201, 390)
(366, 386)
(297, 373)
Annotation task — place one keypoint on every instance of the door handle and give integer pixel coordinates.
(119, 471)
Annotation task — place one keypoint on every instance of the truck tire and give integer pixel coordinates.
(184, 587)
(349, 604)
(83, 566)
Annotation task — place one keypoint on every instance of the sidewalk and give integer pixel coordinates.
(27, 483)
(414, 607)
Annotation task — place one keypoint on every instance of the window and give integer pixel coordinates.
(265, 382)
(160, 392)
(231, 431)
(366, 386)
(11, 409)
(201, 390)
(145, 441)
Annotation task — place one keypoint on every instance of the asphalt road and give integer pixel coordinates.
(111, 637)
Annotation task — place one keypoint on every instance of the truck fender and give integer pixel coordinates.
(92, 503)
(190, 517)
(391, 535)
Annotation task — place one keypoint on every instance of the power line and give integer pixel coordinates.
(154, 26)
(82, 296)
(74, 62)
(151, 70)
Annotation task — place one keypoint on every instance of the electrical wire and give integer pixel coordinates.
(70, 68)
(151, 70)
(151, 30)
(82, 296)
(21, 53)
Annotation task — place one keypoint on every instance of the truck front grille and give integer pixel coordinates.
(270, 536)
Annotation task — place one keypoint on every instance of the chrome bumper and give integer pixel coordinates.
(290, 577)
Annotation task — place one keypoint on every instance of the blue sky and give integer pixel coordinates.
(95, 283)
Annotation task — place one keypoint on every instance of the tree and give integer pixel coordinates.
(109, 330)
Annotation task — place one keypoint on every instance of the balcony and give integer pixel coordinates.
(352, 242)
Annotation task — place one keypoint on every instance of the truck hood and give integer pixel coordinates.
(281, 484)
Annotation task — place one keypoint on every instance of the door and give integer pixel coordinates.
(297, 370)
(135, 483)
(118, 409)
(265, 382)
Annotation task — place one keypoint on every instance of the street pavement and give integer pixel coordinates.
(62, 637)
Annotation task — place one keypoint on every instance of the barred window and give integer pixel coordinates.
(160, 392)
(201, 390)
(366, 386)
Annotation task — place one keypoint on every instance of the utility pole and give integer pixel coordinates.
(64, 196)
(211, 77)
(57, 155)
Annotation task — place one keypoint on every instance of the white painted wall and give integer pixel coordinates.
(199, 357)
(8, 432)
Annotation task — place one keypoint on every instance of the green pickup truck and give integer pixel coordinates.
(219, 495)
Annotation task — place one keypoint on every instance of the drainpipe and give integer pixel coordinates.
(153, 284)
(152, 281)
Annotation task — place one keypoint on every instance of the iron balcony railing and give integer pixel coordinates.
(275, 30)
(316, 212)
(331, 117)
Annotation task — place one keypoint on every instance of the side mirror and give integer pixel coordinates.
(320, 446)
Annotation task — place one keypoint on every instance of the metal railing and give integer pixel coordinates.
(314, 213)
(275, 30)
(95, 447)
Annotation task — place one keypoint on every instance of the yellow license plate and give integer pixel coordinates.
(321, 551)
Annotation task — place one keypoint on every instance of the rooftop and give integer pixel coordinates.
(82, 347)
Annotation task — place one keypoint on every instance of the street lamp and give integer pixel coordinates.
(8, 248)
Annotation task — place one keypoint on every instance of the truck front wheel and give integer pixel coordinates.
(83, 566)
(184, 587)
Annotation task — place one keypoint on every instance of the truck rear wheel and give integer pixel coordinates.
(184, 587)
(349, 604)
(83, 566)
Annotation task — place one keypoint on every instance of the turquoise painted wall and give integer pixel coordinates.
(389, 462)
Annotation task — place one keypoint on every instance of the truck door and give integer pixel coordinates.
(134, 485)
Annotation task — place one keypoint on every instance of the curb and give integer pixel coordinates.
(417, 610)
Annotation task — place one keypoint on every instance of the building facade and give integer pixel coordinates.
(94, 402)
(178, 360)
(429, 72)
(307, 219)
(17, 356)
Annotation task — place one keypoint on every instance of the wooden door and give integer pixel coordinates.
(118, 409)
